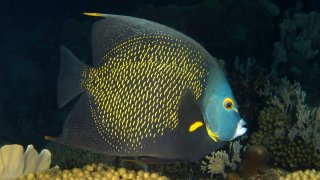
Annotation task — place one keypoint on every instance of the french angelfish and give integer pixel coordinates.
(151, 92)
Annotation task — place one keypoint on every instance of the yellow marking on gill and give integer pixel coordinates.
(213, 136)
(195, 126)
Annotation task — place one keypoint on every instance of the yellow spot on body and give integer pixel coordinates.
(195, 126)
(213, 136)
(136, 88)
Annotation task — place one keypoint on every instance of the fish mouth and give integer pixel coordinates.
(240, 129)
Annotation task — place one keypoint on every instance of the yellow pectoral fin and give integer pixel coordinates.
(195, 126)
(213, 136)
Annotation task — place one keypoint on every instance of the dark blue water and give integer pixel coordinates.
(32, 31)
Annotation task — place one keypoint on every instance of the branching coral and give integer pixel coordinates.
(247, 77)
(316, 131)
(288, 127)
(290, 99)
(299, 47)
(301, 34)
(246, 70)
(217, 163)
(218, 160)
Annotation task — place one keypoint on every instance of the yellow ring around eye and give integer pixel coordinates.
(228, 103)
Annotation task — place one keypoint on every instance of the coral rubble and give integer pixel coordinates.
(218, 160)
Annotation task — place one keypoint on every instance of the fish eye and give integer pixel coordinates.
(228, 103)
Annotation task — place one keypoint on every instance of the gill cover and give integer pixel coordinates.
(220, 108)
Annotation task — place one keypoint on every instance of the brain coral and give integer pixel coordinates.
(283, 152)
(95, 171)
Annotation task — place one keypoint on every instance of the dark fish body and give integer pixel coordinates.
(142, 94)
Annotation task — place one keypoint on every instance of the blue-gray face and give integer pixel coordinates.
(223, 117)
(219, 108)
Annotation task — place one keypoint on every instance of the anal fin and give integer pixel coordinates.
(79, 130)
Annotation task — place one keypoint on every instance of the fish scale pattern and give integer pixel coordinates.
(135, 92)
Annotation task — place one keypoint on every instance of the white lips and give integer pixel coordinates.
(240, 129)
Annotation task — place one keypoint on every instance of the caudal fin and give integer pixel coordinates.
(69, 77)
(80, 131)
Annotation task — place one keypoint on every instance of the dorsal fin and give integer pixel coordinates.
(108, 32)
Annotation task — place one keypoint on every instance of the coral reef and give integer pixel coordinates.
(288, 128)
(14, 162)
(306, 174)
(298, 48)
(270, 173)
(218, 160)
(94, 171)
(247, 77)
(179, 170)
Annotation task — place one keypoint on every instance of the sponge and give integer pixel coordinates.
(14, 162)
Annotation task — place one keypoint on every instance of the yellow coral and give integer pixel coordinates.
(306, 174)
(95, 171)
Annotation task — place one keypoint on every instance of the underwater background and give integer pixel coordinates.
(269, 51)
